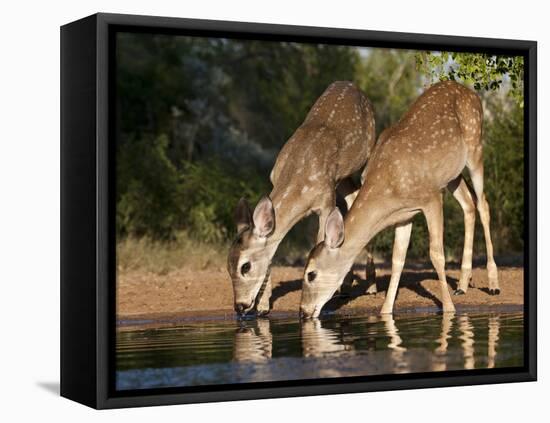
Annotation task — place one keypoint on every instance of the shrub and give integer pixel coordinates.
(156, 199)
(147, 189)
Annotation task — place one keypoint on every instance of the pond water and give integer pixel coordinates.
(231, 351)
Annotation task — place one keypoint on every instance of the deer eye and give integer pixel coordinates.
(245, 268)
(311, 276)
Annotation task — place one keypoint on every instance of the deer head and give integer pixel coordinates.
(248, 263)
(325, 270)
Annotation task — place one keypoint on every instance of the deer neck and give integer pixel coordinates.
(368, 216)
(290, 208)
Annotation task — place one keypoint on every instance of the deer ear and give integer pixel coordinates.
(264, 218)
(243, 215)
(334, 229)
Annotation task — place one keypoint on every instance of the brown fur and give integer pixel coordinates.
(412, 162)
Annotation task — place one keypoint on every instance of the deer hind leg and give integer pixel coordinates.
(463, 194)
(475, 167)
(434, 218)
(400, 246)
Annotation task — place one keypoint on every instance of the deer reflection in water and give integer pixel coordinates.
(318, 341)
(400, 364)
(467, 337)
(494, 328)
(440, 359)
(253, 341)
(492, 342)
(287, 348)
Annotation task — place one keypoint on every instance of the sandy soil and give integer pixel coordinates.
(185, 293)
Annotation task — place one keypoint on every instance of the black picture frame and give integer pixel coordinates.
(87, 210)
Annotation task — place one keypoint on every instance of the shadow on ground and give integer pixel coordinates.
(51, 387)
(409, 280)
(284, 288)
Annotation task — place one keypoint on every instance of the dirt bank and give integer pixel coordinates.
(184, 292)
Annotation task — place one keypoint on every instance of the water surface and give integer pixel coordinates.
(256, 350)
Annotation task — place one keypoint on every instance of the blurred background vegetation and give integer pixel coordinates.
(200, 122)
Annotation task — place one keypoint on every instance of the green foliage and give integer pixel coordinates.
(210, 190)
(147, 189)
(391, 82)
(273, 85)
(504, 174)
(479, 70)
(157, 199)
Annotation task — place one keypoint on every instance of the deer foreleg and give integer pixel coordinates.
(434, 218)
(400, 246)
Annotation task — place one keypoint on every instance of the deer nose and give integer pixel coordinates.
(304, 313)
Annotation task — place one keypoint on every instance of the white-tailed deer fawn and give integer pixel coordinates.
(332, 143)
(426, 151)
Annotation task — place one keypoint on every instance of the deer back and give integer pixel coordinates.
(334, 141)
(429, 146)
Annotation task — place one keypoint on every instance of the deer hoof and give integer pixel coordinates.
(494, 291)
(372, 289)
(459, 292)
